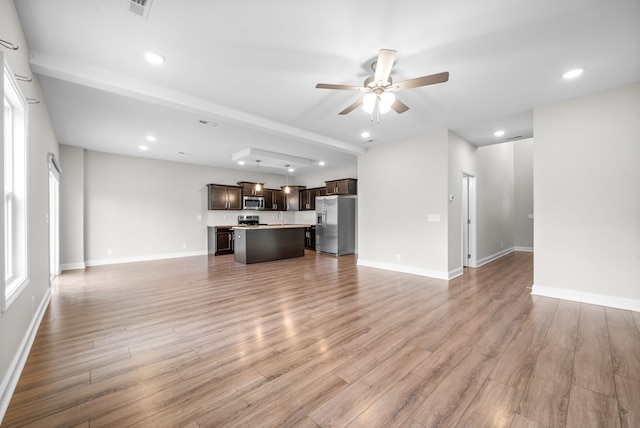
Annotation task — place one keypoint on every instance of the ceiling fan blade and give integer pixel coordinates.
(340, 87)
(386, 57)
(399, 107)
(352, 107)
(422, 81)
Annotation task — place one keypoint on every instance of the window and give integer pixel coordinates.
(14, 132)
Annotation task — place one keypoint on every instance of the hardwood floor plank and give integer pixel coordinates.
(520, 421)
(628, 393)
(620, 318)
(396, 406)
(563, 330)
(625, 351)
(446, 404)
(589, 409)
(517, 361)
(546, 397)
(495, 405)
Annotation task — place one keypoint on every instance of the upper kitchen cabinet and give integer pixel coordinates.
(292, 199)
(273, 200)
(308, 198)
(249, 189)
(345, 186)
(221, 197)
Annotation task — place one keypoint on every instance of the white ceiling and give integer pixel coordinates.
(251, 67)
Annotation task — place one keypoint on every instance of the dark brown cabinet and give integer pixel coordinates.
(221, 197)
(292, 199)
(310, 238)
(273, 200)
(250, 189)
(224, 240)
(345, 186)
(308, 198)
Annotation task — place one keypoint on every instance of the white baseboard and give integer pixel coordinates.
(101, 262)
(12, 376)
(582, 297)
(525, 249)
(493, 257)
(404, 269)
(456, 272)
(73, 266)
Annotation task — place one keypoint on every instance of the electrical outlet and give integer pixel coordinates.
(199, 217)
(33, 302)
(184, 246)
(109, 252)
(398, 257)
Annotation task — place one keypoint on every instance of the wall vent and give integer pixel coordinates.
(139, 7)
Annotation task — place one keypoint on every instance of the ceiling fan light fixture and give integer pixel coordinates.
(386, 100)
(369, 102)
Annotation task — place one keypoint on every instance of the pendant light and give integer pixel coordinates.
(258, 185)
(286, 187)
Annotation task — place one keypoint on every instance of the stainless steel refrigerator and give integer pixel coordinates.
(336, 224)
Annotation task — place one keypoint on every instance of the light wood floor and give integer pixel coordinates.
(319, 341)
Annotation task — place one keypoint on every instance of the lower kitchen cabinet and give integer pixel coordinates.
(220, 240)
(310, 238)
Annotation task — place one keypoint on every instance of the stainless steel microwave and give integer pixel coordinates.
(252, 203)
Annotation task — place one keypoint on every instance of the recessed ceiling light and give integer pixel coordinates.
(572, 74)
(499, 133)
(291, 169)
(365, 134)
(321, 163)
(143, 147)
(151, 138)
(154, 58)
(240, 162)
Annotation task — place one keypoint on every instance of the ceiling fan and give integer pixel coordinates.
(379, 87)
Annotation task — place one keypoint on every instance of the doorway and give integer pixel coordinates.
(468, 220)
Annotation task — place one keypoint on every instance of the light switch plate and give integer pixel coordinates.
(434, 217)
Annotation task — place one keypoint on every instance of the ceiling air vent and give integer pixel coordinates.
(139, 7)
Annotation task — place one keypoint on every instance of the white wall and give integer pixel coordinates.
(72, 207)
(587, 198)
(495, 196)
(19, 322)
(399, 185)
(523, 194)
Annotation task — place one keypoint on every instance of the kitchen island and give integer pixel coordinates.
(255, 244)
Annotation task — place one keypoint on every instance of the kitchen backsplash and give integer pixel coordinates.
(224, 218)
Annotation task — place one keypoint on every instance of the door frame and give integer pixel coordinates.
(468, 221)
(54, 217)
